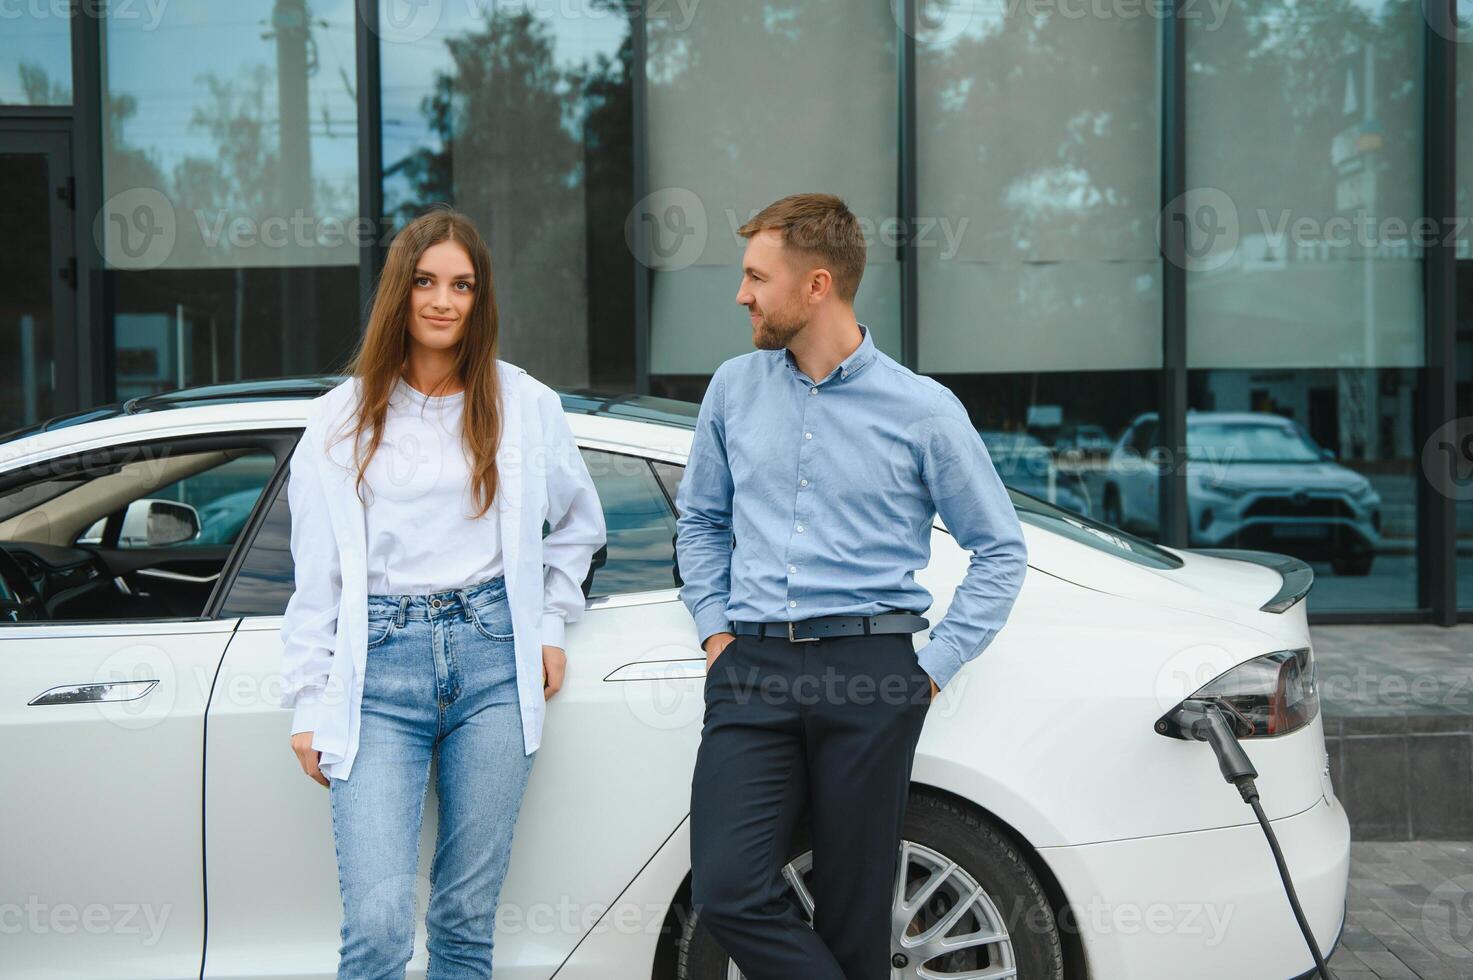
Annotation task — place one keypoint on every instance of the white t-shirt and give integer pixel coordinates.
(419, 501)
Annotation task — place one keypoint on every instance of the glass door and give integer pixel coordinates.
(37, 277)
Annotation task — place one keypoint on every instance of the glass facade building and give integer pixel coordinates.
(1203, 271)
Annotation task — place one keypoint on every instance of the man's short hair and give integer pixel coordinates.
(822, 226)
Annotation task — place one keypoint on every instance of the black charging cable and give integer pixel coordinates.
(1204, 721)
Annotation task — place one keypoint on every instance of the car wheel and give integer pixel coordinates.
(969, 902)
(1353, 564)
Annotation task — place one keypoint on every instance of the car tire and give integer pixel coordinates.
(937, 830)
(1353, 564)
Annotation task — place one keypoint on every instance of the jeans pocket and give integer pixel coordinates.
(380, 625)
(493, 619)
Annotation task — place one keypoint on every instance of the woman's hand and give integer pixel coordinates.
(554, 662)
(307, 756)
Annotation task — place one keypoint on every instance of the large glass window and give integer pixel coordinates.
(1040, 286)
(1454, 445)
(230, 178)
(1304, 289)
(36, 54)
(750, 102)
(520, 115)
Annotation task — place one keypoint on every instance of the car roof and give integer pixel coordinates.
(1195, 416)
(586, 401)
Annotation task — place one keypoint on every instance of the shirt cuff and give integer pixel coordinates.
(309, 712)
(940, 661)
(553, 628)
(710, 620)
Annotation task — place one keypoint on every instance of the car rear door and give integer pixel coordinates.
(610, 783)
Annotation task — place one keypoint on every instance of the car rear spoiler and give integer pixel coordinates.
(1298, 577)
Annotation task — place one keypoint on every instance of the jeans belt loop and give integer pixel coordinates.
(465, 604)
(400, 615)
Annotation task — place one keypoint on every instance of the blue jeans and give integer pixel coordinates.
(441, 672)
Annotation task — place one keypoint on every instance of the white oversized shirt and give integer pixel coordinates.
(420, 501)
(324, 629)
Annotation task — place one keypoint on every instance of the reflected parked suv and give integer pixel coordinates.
(1254, 480)
(1025, 463)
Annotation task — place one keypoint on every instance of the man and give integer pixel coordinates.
(826, 460)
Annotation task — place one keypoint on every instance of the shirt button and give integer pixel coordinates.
(808, 435)
(792, 568)
(802, 483)
(813, 391)
(800, 528)
(792, 602)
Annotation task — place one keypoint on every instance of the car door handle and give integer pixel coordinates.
(92, 693)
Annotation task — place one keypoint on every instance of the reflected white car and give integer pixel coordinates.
(157, 824)
(1254, 480)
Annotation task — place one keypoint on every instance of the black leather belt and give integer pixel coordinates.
(810, 630)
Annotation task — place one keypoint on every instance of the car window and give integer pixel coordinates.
(139, 531)
(1102, 537)
(641, 525)
(209, 508)
(265, 580)
(1143, 438)
(639, 517)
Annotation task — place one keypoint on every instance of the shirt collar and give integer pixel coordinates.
(850, 365)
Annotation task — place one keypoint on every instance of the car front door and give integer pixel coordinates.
(102, 707)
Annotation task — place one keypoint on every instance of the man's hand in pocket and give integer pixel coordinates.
(715, 643)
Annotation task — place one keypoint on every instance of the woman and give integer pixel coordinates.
(429, 609)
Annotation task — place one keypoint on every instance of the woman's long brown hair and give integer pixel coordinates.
(383, 351)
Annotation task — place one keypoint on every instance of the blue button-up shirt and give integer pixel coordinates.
(830, 489)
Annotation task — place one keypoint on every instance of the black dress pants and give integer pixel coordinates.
(826, 729)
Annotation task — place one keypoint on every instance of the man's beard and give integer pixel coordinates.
(777, 332)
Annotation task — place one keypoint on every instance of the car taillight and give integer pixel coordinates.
(1269, 695)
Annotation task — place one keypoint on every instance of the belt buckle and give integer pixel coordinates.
(800, 639)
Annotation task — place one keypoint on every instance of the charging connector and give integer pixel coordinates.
(1204, 720)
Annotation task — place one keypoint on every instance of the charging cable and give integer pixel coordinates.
(1203, 721)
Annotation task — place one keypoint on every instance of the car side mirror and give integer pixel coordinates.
(168, 522)
(1327, 454)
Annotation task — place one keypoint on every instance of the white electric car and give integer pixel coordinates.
(156, 824)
